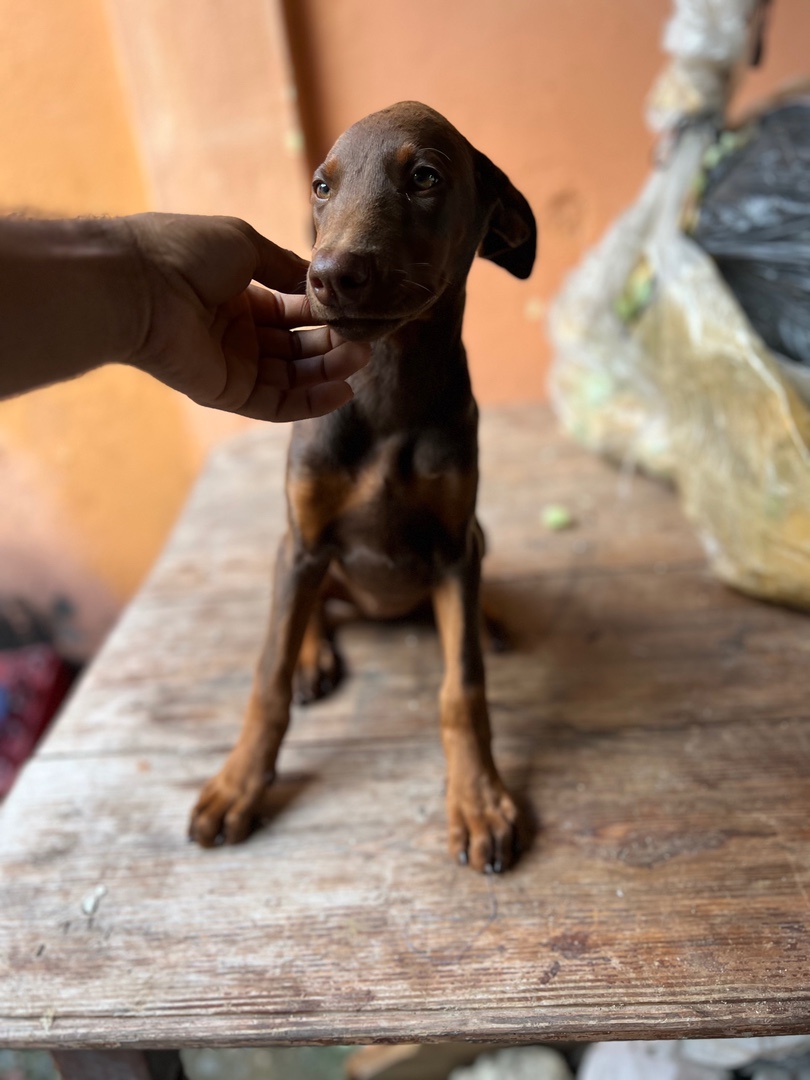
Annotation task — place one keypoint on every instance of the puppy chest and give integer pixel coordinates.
(387, 511)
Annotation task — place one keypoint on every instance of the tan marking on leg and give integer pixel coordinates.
(481, 815)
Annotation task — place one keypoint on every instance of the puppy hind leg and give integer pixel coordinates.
(320, 666)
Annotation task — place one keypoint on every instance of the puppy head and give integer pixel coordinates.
(401, 205)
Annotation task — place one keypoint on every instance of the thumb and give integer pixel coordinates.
(277, 267)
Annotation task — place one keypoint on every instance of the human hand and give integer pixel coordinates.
(227, 343)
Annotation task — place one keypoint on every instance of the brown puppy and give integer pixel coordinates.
(381, 494)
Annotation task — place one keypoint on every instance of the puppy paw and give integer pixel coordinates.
(317, 680)
(482, 821)
(226, 809)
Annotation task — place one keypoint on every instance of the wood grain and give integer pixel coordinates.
(653, 725)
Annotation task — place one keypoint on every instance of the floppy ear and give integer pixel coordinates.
(511, 236)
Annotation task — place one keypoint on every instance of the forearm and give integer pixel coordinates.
(72, 297)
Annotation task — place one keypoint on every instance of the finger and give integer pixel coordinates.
(333, 366)
(300, 403)
(314, 344)
(336, 364)
(279, 309)
(292, 345)
(277, 267)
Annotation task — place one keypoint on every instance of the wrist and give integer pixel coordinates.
(110, 288)
(72, 297)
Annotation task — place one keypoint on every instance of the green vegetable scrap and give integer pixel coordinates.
(637, 292)
(557, 518)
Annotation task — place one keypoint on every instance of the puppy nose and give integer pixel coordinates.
(340, 277)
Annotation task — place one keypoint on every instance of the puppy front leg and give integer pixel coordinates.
(481, 815)
(227, 804)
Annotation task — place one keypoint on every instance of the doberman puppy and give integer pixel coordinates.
(381, 494)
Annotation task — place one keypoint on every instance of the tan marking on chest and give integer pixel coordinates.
(318, 500)
(449, 496)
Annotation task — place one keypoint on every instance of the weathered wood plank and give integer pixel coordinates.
(653, 724)
(589, 649)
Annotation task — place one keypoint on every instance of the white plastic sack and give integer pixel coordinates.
(657, 366)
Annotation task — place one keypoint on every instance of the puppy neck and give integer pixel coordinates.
(419, 372)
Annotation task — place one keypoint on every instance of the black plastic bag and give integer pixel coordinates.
(754, 221)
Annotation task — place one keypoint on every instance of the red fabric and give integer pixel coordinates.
(33, 682)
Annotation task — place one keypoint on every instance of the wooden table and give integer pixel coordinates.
(653, 724)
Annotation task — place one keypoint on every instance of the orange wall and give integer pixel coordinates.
(83, 512)
(64, 126)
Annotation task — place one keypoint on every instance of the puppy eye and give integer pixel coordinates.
(321, 189)
(425, 178)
